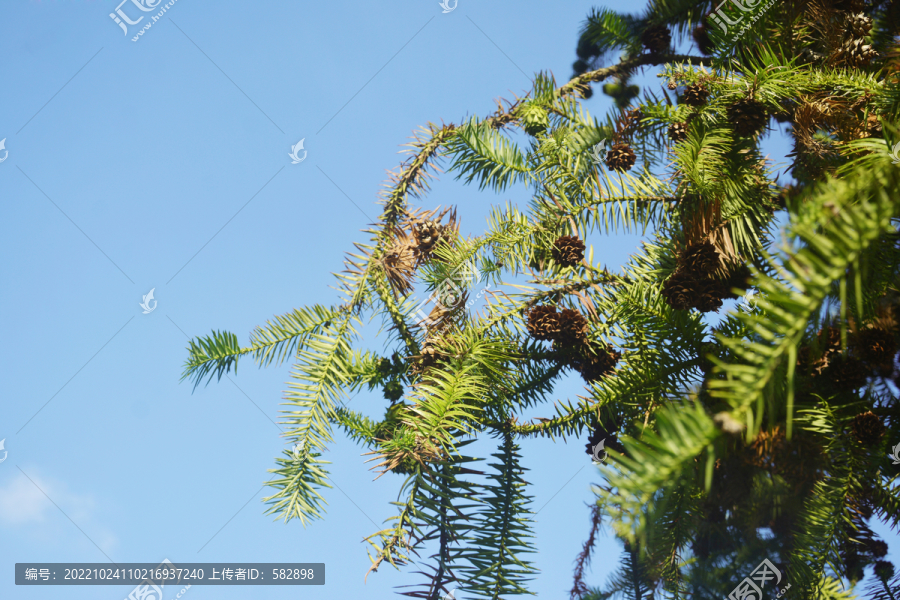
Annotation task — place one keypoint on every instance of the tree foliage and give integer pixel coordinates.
(761, 434)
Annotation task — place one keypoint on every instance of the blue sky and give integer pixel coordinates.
(163, 164)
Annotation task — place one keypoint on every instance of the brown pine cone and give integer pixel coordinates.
(399, 264)
(694, 285)
(597, 362)
(873, 126)
(678, 291)
(572, 328)
(867, 428)
(657, 39)
(620, 158)
(747, 117)
(428, 357)
(429, 354)
(631, 120)
(845, 372)
(701, 260)
(812, 363)
(878, 548)
(711, 294)
(678, 132)
(695, 94)
(799, 460)
(858, 26)
(877, 347)
(830, 339)
(568, 251)
(857, 53)
(701, 37)
(427, 235)
(543, 322)
(884, 570)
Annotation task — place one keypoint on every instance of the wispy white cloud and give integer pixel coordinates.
(21, 502)
(27, 502)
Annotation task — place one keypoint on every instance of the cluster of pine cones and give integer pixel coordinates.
(568, 331)
(798, 460)
(696, 95)
(567, 327)
(871, 353)
(411, 248)
(696, 284)
(747, 116)
(854, 50)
